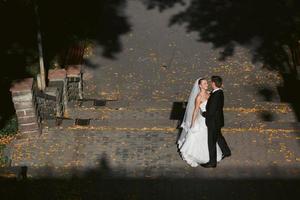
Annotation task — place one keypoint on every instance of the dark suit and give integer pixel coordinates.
(214, 119)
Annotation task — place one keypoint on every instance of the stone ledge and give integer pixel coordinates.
(25, 116)
(27, 120)
(73, 70)
(57, 74)
(28, 135)
(20, 98)
(20, 93)
(23, 105)
(29, 127)
(25, 112)
(22, 85)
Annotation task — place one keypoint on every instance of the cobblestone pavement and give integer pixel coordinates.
(154, 153)
(141, 142)
(135, 135)
(135, 160)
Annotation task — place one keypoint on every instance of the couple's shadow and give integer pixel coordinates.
(177, 113)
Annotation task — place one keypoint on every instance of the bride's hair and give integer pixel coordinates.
(200, 80)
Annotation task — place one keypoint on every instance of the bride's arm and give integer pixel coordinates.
(196, 109)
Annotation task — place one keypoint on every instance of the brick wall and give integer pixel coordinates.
(74, 82)
(33, 106)
(24, 103)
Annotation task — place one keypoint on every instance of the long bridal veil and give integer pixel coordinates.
(187, 119)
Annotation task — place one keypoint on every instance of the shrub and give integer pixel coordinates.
(11, 126)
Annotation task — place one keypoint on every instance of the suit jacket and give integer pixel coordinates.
(214, 115)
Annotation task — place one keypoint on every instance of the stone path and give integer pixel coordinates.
(132, 139)
(159, 62)
(141, 142)
(130, 158)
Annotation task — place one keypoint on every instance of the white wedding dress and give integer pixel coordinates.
(193, 144)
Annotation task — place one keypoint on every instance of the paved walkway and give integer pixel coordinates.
(140, 152)
(159, 62)
(133, 138)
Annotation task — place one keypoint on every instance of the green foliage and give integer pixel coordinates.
(10, 127)
(3, 159)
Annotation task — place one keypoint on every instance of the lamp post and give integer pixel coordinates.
(40, 49)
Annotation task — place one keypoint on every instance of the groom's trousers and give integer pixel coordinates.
(215, 136)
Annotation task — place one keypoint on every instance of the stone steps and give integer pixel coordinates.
(138, 104)
(263, 111)
(134, 136)
(159, 125)
(231, 114)
(167, 116)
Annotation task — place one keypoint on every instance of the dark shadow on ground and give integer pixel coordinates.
(177, 111)
(289, 92)
(103, 183)
(266, 116)
(266, 93)
(268, 28)
(63, 23)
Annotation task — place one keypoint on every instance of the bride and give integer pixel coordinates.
(192, 143)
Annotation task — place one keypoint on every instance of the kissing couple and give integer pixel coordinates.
(201, 141)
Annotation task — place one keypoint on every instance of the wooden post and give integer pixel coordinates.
(40, 48)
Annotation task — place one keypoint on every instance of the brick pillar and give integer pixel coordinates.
(57, 79)
(23, 99)
(74, 71)
(57, 75)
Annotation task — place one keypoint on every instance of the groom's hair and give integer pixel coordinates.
(217, 80)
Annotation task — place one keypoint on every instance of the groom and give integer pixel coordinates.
(214, 119)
